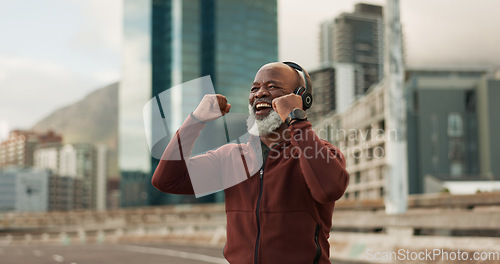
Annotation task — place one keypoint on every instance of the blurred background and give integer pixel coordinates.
(406, 89)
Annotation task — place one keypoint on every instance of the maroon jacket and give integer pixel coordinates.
(283, 213)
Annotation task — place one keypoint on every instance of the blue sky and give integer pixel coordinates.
(54, 52)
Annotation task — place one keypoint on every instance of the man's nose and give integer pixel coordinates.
(262, 92)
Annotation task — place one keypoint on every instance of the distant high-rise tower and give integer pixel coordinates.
(355, 38)
(169, 42)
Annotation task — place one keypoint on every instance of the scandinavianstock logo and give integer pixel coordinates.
(212, 161)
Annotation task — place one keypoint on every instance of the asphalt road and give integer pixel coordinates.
(112, 254)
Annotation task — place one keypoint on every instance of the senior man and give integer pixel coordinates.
(283, 212)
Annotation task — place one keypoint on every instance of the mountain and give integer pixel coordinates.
(94, 119)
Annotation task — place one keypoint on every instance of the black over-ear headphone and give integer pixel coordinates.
(305, 93)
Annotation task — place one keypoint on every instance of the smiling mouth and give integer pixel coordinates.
(262, 108)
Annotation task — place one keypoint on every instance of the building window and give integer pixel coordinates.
(434, 142)
(379, 151)
(357, 177)
(455, 125)
(470, 101)
(381, 127)
(355, 137)
(415, 101)
(456, 149)
(456, 169)
(369, 154)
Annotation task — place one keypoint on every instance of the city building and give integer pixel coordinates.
(37, 190)
(488, 93)
(19, 148)
(351, 59)
(327, 97)
(450, 121)
(46, 156)
(8, 182)
(87, 163)
(113, 193)
(101, 178)
(76, 173)
(80, 174)
(133, 189)
(356, 38)
(170, 42)
(24, 189)
(63, 192)
(360, 134)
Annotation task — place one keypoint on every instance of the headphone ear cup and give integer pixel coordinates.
(307, 100)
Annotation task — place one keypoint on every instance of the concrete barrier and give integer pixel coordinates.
(360, 229)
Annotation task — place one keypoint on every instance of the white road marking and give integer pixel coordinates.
(174, 253)
(37, 253)
(58, 258)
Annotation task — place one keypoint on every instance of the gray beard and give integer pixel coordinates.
(264, 126)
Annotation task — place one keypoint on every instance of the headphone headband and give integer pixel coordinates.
(297, 67)
(306, 92)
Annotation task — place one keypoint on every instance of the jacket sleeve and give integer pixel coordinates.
(171, 174)
(323, 165)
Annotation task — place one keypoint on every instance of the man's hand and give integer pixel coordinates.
(211, 107)
(285, 104)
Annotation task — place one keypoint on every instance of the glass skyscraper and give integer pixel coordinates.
(169, 42)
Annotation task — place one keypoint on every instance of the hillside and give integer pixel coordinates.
(93, 119)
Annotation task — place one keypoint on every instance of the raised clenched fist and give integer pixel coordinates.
(211, 107)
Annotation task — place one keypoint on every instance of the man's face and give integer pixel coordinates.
(271, 81)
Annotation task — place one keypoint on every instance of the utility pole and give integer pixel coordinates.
(396, 186)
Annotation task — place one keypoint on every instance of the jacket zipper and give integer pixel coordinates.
(318, 247)
(258, 219)
(258, 207)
